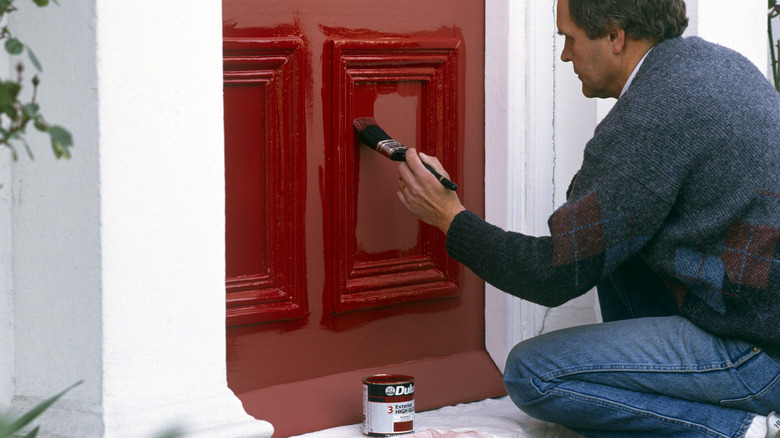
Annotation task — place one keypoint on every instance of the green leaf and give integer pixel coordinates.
(34, 60)
(5, 421)
(171, 433)
(14, 46)
(61, 135)
(41, 2)
(8, 93)
(31, 109)
(40, 124)
(11, 88)
(11, 112)
(31, 415)
(33, 433)
(60, 141)
(29, 151)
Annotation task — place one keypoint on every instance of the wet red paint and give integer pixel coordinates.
(264, 208)
(326, 221)
(379, 254)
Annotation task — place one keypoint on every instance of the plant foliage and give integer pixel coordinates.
(774, 45)
(9, 427)
(16, 115)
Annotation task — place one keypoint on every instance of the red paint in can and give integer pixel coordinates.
(388, 405)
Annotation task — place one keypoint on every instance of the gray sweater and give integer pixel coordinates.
(685, 172)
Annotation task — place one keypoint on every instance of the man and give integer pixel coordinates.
(674, 216)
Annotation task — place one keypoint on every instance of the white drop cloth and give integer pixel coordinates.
(491, 418)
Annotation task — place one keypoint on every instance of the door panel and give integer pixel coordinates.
(380, 254)
(263, 207)
(327, 275)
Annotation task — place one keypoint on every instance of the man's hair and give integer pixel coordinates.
(654, 20)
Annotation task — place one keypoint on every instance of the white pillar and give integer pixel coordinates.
(118, 254)
(6, 273)
(740, 25)
(537, 123)
(7, 361)
(504, 188)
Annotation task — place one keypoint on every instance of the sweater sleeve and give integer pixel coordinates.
(625, 201)
(610, 216)
(513, 262)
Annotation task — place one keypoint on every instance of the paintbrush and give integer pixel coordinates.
(377, 139)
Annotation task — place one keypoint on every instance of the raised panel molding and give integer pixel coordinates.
(272, 280)
(430, 66)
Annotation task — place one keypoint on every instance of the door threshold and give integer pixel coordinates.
(336, 400)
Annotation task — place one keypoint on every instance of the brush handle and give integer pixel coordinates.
(444, 181)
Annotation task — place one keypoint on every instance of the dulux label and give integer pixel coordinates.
(399, 390)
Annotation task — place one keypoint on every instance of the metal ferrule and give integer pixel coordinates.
(388, 147)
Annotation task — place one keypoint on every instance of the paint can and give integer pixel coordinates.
(388, 405)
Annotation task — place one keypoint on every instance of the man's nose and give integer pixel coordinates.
(565, 55)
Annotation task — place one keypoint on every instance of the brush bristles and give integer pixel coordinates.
(373, 135)
(362, 123)
(377, 139)
(368, 131)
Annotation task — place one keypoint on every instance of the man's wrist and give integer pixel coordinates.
(445, 227)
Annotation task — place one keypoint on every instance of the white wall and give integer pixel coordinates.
(6, 273)
(7, 363)
(739, 25)
(537, 124)
(118, 253)
(56, 248)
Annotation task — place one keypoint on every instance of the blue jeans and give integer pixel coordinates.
(658, 376)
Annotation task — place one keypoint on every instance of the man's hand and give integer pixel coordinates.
(423, 195)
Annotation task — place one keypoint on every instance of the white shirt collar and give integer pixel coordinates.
(633, 73)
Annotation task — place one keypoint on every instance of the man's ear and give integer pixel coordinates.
(617, 39)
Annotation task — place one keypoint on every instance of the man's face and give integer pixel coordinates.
(592, 59)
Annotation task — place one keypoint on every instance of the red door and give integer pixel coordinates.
(328, 277)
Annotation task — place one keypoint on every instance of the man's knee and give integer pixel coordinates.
(524, 380)
(521, 374)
